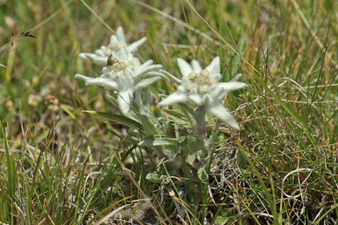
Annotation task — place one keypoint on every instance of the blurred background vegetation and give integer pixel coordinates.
(288, 114)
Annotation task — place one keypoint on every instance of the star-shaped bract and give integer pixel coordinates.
(116, 42)
(125, 76)
(203, 89)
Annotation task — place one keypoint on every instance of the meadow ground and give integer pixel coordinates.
(60, 164)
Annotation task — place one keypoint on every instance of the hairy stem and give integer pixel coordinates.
(200, 122)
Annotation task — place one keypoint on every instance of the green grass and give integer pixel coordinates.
(60, 165)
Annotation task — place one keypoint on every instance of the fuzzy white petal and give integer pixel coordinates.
(126, 81)
(158, 74)
(113, 39)
(120, 35)
(145, 68)
(171, 77)
(124, 99)
(123, 53)
(223, 114)
(196, 98)
(107, 83)
(99, 52)
(196, 66)
(236, 78)
(218, 76)
(150, 68)
(100, 81)
(146, 82)
(99, 60)
(232, 85)
(216, 91)
(214, 66)
(176, 97)
(85, 55)
(229, 87)
(185, 68)
(134, 46)
(81, 77)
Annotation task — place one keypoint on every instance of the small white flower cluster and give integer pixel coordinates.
(123, 73)
(202, 87)
(202, 81)
(117, 41)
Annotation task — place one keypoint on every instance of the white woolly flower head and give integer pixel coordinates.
(117, 41)
(202, 87)
(124, 74)
(118, 62)
(198, 80)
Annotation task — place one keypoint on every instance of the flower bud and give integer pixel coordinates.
(204, 88)
(192, 75)
(205, 73)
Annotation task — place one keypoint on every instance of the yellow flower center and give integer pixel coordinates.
(115, 67)
(107, 51)
(114, 46)
(201, 81)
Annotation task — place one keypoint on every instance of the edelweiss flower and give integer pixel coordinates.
(117, 41)
(201, 86)
(125, 74)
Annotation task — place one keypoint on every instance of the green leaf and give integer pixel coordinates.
(11, 172)
(148, 125)
(150, 142)
(191, 144)
(176, 116)
(118, 119)
(241, 45)
(220, 220)
(190, 159)
(202, 174)
(241, 161)
(235, 61)
(181, 139)
(155, 178)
